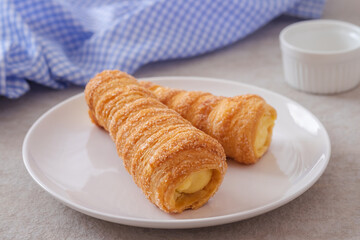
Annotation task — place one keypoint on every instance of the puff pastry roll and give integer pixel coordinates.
(242, 124)
(176, 165)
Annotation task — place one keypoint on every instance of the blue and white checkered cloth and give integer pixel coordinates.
(60, 42)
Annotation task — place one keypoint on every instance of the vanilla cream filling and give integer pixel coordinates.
(263, 134)
(195, 181)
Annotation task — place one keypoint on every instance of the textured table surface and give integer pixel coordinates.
(328, 210)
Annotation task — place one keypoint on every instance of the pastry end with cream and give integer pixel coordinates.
(264, 131)
(195, 181)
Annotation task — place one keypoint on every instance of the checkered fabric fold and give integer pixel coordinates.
(59, 42)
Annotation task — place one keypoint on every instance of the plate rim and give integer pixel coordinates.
(180, 223)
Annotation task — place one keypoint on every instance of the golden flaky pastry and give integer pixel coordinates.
(177, 166)
(242, 124)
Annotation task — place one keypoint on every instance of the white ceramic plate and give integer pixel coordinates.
(77, 163)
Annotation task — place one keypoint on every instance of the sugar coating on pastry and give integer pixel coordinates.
(177, 166)
(242, 124)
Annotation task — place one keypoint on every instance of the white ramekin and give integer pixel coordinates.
(321, 56)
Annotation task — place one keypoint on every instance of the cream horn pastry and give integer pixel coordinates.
(176, 165)
(242, 124)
